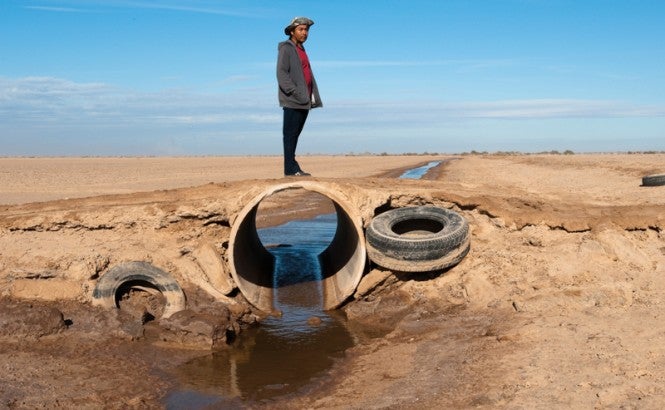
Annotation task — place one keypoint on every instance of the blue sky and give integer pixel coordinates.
(167, 77)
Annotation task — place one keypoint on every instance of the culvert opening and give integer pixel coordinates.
(341, 262)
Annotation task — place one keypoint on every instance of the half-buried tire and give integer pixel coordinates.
(142, 276)
(653, 180)
(418, 239)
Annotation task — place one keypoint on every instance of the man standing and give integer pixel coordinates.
(298, 92)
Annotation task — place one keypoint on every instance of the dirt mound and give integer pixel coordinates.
(20, 319)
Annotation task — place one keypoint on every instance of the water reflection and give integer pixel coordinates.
(264, 364)
(286, 352)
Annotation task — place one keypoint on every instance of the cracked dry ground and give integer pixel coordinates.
(558, 303)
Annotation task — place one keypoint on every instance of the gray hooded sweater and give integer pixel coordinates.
(291, 80)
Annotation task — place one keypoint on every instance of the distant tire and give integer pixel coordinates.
(653, 180)
(418, 239)
(140, 275)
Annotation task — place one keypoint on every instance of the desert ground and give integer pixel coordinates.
(558, 304)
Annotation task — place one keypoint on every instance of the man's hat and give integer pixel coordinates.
(296, 22)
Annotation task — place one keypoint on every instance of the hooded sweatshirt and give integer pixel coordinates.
(293, 92)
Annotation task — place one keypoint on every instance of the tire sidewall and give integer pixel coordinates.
(108, 285)
(653, 180)
(425, 251)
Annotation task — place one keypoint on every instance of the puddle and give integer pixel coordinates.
(417, 173)
(266, 362)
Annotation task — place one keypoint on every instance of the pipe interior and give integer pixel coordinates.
(342, 262)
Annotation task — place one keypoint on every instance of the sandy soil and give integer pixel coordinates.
(558, 304)
(25, 180)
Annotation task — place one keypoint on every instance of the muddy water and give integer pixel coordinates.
(286, 351)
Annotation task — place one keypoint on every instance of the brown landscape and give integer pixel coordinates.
(558, 304)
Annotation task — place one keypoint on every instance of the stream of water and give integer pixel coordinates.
(417, 173)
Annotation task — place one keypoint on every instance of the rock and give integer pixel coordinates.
(31, 320)
(130, 325)
(211, 328)
(216, 272)
(371, 281)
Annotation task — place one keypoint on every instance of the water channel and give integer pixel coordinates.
(417, 173)
(284, 353)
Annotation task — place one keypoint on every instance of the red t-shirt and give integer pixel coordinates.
(306, 69)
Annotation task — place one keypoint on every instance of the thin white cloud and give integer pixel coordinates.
(45, 98)
(555, 108)
(39, 99)
(475, 64)
(192, 6)
(191, 9)
(434, 111)
(58, 9)
(226, 118)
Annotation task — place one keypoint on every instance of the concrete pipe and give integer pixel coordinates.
(342, 262)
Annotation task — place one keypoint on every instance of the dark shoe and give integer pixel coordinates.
(299, 174)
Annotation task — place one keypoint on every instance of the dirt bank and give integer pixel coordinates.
(557, 303)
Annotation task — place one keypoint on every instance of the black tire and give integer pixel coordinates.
(653, 180)
(418, 239)
(139, 275)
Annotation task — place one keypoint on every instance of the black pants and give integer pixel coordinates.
(294, 121)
